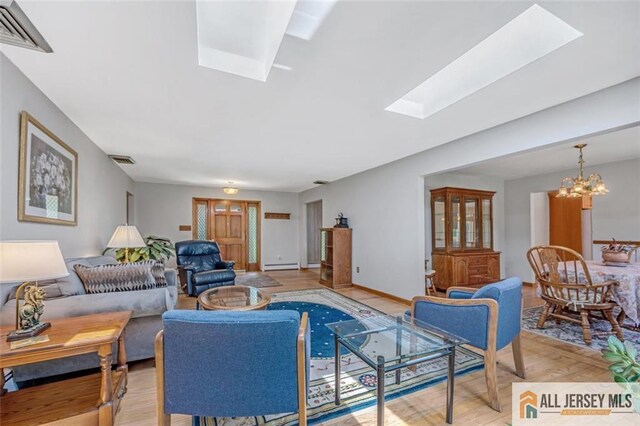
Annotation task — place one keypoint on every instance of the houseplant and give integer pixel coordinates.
(158, 248)
(624, 366)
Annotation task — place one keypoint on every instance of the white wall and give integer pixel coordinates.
(459, 180)
(102, 185)
(385, 205)
(161, 208)
(616, 214)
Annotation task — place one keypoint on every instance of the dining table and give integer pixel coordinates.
(627, 293)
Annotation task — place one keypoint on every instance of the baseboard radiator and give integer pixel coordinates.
(280, 266)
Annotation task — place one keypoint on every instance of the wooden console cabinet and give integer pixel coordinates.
(462, 237)
(335, 266)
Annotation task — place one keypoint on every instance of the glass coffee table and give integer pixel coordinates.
(399, 343)
(233, 298)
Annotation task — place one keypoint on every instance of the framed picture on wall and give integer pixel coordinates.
(48, 176)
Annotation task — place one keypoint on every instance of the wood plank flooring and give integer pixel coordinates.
(546, 360)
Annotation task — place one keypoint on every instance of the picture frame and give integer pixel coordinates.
(47, 176)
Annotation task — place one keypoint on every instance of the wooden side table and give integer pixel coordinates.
(92, 399)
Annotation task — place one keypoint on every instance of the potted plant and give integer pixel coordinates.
(624, 366)
(158, 248)
(617, 252)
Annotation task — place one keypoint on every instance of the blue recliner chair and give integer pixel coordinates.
(201, 267)
(489, 318)
(249, 363)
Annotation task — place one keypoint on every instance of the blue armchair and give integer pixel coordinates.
(489, 318)
(232, 364)
(201, 267)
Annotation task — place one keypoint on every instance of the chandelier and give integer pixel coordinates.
(579, 186)
(230, 190)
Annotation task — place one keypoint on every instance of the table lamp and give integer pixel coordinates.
(29, 262)
(126, 237)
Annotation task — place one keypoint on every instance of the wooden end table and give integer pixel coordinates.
(92, 399)
(233, 298)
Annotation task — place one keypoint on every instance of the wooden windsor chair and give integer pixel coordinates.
(559, 271)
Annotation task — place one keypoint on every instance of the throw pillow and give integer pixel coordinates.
(113, 278)
(157, 270)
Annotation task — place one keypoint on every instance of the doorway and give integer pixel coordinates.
(234, 225)
(314, 223)
(130, 214)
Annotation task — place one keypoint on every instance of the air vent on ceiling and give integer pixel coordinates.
(18, 30)
(321, 182)
(122, 159)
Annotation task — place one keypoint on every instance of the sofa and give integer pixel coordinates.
(67, 297)
(201, 266)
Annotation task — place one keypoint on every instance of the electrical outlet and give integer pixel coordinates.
(357, 269)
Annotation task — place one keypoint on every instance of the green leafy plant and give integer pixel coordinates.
(622, 357)
(158, 248)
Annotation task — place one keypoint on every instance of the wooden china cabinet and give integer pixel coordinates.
(462, 237)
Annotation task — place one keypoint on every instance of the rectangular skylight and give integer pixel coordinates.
(241, 37)
(528, 37)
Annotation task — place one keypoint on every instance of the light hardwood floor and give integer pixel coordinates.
(546, 360)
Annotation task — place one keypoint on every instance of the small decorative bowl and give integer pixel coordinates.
(616, 256)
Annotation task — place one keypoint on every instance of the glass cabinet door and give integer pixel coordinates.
(471, 207)
(456, 232)
(439, 229)
(487, 237)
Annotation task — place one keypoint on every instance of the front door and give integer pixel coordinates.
(229, 229)
(234, 225)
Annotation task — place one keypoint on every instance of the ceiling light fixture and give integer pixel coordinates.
(230, 189)
(528, 37)
(579, 186)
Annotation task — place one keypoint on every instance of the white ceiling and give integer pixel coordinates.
(601, 149)
(127, 74)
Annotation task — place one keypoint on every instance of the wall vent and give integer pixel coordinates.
(122, 159)
(320, 182)
(18, 30)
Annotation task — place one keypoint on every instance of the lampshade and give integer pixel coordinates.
(126, 236)
(31, 261)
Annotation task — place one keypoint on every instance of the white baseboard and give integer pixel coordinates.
(280, 266)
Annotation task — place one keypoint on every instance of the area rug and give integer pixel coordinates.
(257, 280)
(357, 380)
(570, 332)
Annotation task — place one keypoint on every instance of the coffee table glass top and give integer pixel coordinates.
(234, 297)
(395, 337)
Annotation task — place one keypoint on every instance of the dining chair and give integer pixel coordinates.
(568, 291)
(232, 364)
(429, 277)
(489, 318)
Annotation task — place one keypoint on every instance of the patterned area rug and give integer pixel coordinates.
(257, 280)
(570, 332)
(358, 380)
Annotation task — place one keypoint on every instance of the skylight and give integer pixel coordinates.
(241, 37)
(528, 37)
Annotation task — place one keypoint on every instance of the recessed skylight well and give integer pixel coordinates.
(528, 37)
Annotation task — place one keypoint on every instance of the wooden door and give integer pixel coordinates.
(565, 222)
(234, 225)
(228, 223)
